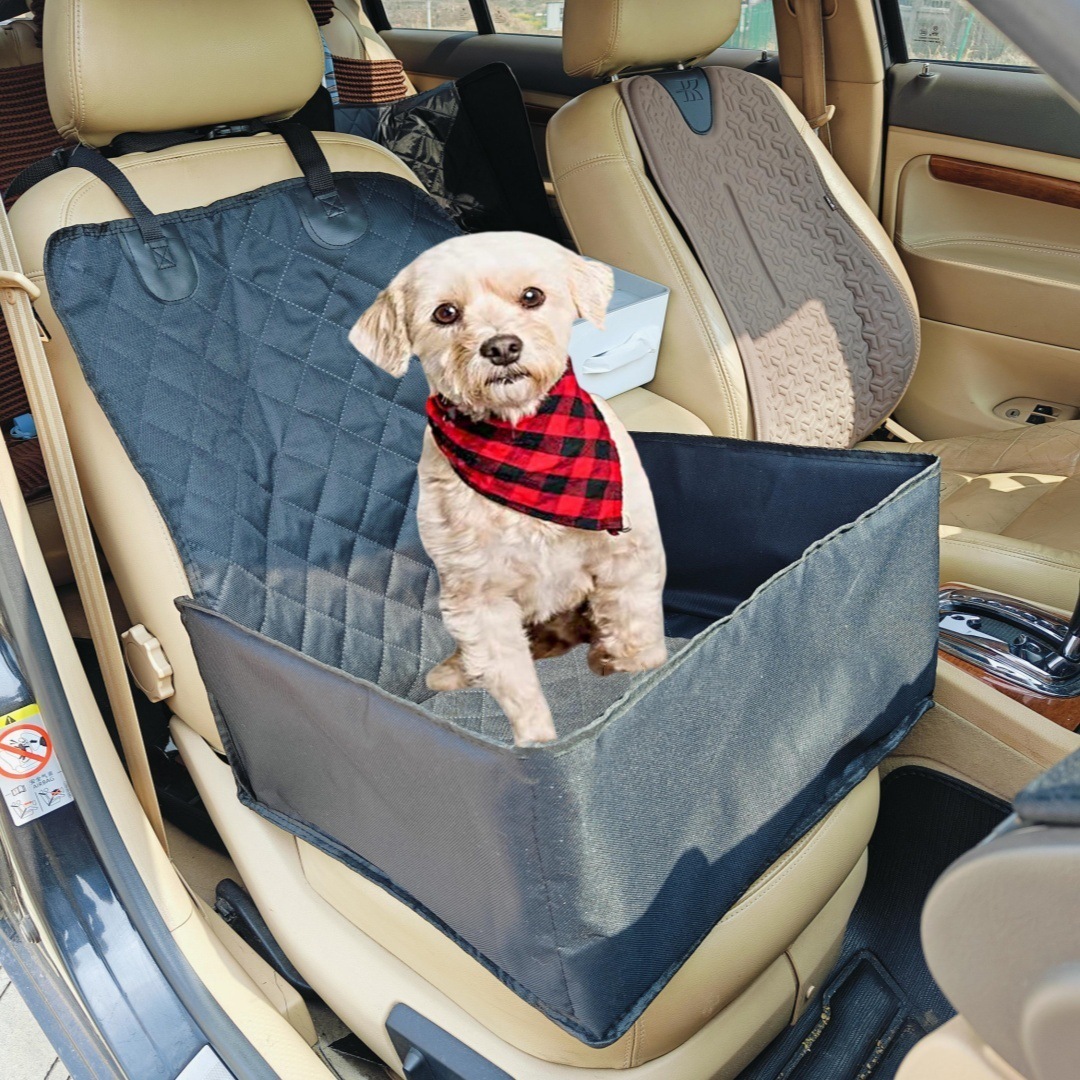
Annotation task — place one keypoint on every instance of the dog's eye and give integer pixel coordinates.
(532, 297)
(446, 314)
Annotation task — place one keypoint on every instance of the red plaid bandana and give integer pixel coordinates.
(560, 465)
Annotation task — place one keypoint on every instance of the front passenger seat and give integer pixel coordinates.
(358, 945)
(791, 317)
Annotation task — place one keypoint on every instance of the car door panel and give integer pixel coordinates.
(982, 198)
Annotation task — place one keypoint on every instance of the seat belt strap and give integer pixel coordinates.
(17, 294)
(810, 14)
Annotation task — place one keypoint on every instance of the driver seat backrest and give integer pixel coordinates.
(791, 317)
(360, 947)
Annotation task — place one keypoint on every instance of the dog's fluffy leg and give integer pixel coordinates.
(629, 622)
(495, 653)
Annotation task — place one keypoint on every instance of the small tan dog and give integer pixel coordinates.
(489, 317)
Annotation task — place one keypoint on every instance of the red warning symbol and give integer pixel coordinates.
(24, 751)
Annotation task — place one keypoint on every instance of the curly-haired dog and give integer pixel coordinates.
(533, 503)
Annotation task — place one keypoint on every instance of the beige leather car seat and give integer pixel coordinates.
(360, 948)
(1010, 500)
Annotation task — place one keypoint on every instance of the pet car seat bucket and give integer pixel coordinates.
(801, 604)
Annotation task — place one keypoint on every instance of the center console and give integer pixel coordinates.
(1025, 652)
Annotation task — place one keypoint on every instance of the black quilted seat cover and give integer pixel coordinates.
(801, 602)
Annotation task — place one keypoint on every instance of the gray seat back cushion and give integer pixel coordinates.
(827, 335)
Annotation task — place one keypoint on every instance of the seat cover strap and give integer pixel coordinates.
(18, 310)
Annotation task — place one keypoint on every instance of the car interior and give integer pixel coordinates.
(903, 189)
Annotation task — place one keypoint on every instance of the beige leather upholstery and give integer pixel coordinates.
(1011, 507)
(752, 973)
(604, 37)
(641, 410)
(956, 1052)
(18, 44)
(183, 65)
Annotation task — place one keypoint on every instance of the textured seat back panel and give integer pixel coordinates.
(827, 335)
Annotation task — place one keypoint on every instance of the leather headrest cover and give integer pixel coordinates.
(604, 37)
(161, 65)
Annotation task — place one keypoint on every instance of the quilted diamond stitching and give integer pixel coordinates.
(283, 462)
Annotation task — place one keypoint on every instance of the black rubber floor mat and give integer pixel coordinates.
(881, 998)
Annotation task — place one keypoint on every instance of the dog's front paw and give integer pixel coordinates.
(532, 731)
(449, 675)
(604, 661)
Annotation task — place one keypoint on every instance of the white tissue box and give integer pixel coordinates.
(622, 355)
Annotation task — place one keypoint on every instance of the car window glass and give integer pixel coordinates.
(952, 30)
(429, 14)
(757, 26)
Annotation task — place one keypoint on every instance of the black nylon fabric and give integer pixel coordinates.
(1054, 797)
(470, 144)
(584, 875)
(284, 465)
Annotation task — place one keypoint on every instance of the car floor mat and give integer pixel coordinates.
(881, 998)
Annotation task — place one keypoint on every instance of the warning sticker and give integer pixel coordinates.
(32, 783)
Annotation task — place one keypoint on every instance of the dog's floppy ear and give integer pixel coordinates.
(591, 285)
(382, 332)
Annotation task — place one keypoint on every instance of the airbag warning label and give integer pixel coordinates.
(32, 783)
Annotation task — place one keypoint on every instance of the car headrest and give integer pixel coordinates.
(162, 65)
(604, 37)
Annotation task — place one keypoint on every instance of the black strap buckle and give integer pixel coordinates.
(228, 131)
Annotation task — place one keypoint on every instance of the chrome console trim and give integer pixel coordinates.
(1035, 662)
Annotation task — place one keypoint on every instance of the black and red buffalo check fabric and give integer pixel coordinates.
(560, 465)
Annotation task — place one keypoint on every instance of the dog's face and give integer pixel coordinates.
(489, 317)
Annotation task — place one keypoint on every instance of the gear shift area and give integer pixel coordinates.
(1012, 640)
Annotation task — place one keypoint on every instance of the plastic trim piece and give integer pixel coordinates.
(1008, 106)
(429, 1053)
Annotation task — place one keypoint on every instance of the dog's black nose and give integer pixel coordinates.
(502, 349)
